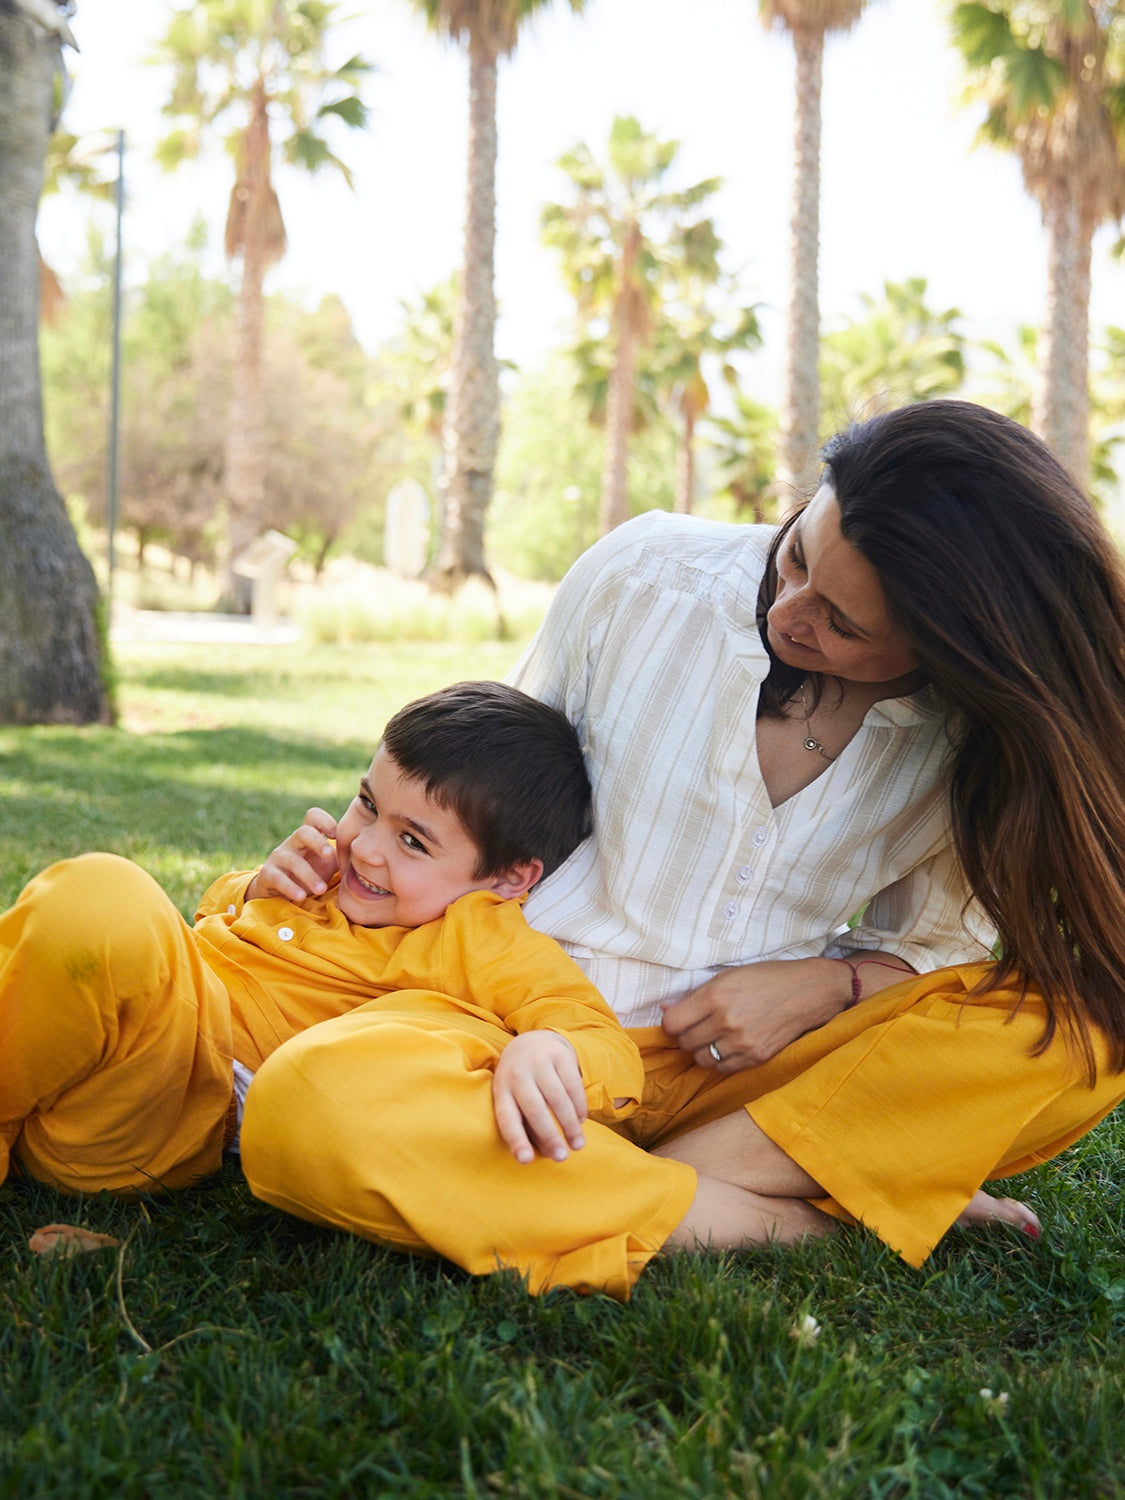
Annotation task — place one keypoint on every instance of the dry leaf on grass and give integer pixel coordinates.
(68, 1239)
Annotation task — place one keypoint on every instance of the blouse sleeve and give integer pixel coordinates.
(928, 918)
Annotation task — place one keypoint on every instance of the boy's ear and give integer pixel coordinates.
(519, 879)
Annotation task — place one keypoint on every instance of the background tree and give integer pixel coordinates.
(1052, 78)
(695, 343)
(808, 23)
(419, 358)
(1009, 382)
(50, 652)
(262, 63)
(624, 239)
(80, 163)
(743, 447)
(489, 29)
(898, 351)
(549, 473)
(324, 442)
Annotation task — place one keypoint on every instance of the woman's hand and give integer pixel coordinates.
(750, 1013)
(303, 865)
(538, 1097)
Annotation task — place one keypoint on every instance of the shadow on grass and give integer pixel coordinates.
(187, 806)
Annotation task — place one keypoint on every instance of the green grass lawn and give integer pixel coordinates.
(229, 1351)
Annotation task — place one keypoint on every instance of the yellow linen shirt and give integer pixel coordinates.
(286, 967)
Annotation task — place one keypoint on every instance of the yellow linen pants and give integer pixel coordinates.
(115, 1048)
(381, 1123)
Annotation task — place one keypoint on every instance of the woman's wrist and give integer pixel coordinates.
(856, 994)
(861, 960)
(838, 986)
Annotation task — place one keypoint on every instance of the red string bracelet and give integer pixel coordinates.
(857, 987)
(857, 983)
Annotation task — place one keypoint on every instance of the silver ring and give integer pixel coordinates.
(713, 1048)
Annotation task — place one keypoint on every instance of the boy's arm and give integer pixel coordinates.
(491, 957)
(225, 895)
(300, 866)
(538, 1096)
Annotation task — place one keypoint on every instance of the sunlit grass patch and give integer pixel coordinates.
(227, 1350)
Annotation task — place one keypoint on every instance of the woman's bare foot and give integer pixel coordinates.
(983, 1208)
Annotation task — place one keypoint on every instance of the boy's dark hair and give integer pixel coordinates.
(510, 767)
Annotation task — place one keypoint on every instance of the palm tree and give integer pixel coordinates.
(419, 358)
(50, 648)
(489, 29)
(1052, 78)
(693, 338)
(625, 241)
(743, 446)
(74, 161)
(261, 62)
(808, 22)
(1010, 384)
(900, 350)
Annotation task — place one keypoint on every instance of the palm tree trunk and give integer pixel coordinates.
(50, 650)
(472, 421)
(1060, 410)
(685, 465)
(801, 387)
(620, 397)
(244, 481)
(244, 462)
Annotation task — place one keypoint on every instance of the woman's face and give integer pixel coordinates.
(830, 613)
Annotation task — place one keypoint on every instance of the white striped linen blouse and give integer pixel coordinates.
(651, 648)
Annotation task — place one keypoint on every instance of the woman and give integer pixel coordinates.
(912, 703)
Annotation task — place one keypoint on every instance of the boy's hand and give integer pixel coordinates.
(538, 1098)
(303, 865)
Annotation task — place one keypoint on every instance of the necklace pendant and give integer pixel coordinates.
(811, 744)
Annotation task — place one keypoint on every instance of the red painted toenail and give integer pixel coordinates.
(1033, 1230)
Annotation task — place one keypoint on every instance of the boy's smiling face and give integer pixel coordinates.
(403, 857)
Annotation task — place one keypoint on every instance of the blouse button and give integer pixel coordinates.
(731, 910)
(744, 874)
(759, 836)
(285, 933)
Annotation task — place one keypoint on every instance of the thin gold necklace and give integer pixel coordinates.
(811, 742)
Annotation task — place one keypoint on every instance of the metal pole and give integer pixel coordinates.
(115, 387)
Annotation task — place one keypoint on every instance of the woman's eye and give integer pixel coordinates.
(838, 630)
(366, 803)
(795, 557)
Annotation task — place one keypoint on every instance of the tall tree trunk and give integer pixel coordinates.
(244, 460)
(685, 464)
(50, 651)
(621, 394)
(472, 419)
(253, 227)
(1061, 408)
(800, 417)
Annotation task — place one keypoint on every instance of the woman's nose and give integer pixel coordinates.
(789, 610)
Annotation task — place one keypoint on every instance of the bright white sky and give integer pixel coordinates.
(903, 192)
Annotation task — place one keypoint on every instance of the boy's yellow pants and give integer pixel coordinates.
(115, 1048)
(381, 1123)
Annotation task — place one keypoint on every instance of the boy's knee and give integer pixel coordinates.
(82, 917)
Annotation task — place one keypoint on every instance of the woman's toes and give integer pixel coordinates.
(983, 1208)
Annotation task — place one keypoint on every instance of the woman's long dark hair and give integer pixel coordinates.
(1012, 596)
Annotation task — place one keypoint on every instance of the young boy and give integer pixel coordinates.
(128, 1038)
